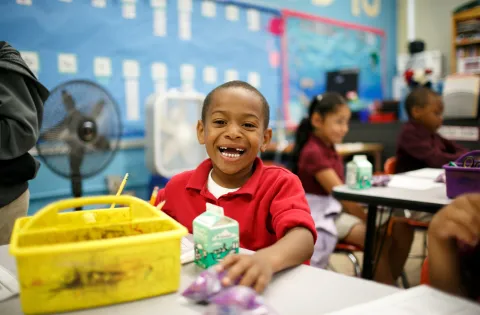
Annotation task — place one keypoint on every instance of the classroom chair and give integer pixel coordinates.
(389, 168)
(349, 250)
(424, 273)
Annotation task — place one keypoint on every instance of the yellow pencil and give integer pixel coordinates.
(154, 195)
(160, 205)
(120, 189)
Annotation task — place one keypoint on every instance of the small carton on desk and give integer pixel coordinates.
(215, 236)
(359, 173)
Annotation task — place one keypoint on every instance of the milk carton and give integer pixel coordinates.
(215, 236)
(359, 173)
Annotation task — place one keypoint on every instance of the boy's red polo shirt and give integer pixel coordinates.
(270, 203)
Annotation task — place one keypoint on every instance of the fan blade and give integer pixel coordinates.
(68, 101)
(97, 109)
(57, 132)
(170, 150)
(101, 143)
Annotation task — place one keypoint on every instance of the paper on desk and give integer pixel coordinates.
(412, 183)
(419, 300)
(430, 173)
(8, 284)
(188, 251)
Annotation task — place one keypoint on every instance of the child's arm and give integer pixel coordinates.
(329, 180)
(459, 221)
(418, 146)
(20, 118)
(296, 236)
(257, 270)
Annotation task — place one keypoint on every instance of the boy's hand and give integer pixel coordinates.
(460, 220)
(254, 270)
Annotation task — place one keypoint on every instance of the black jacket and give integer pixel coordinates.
(21, 113)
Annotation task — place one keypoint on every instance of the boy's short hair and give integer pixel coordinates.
(237, 84)
(418, 98)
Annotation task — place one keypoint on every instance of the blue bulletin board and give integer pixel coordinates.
(315, 45)
(159, 44)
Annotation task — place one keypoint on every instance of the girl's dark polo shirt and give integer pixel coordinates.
(317, 156)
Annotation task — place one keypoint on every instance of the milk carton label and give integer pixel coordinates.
(359, 173)
(215, 236)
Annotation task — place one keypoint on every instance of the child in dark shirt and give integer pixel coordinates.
(419, 145)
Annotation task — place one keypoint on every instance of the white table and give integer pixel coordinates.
(301, 290)
(429, 200)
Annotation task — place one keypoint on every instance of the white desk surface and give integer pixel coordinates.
(301, 290)
(429, 199)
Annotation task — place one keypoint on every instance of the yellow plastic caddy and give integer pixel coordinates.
(83, 259)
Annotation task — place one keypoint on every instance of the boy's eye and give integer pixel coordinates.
(219, 122)
(249, 125)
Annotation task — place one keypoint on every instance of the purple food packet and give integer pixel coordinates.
(441, 178)
(239, 300)
(207, 284)
(380, 180)
(215, 309)
(241, 296)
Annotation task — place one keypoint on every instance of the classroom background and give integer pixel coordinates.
(289, 49)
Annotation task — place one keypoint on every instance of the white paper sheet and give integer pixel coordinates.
(232, 12)
(187, 250)
(254, 79)
(102, 67)
(427, 173)
(67, 63)
(159, 22)
(24, 2)
(132, 99)
(8, 284)
(420, 300)
(158, 3)
(129, 10)
(185, 5)
(412, 183)
(32, 60)
(99, 3)
(253, 20)
(231, 75)
(210, 75)
(185, 25)
(159, 76)
(209, 9)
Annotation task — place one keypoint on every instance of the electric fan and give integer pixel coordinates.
(81, 131)
(171, 138)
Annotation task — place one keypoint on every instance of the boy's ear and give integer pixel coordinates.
(200, 132)
(267, 137)
(416, 111)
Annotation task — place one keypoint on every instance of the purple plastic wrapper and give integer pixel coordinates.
(207, 284)
(214, 309)
(380, 180)
(441, 178)
(241, 296)
(238, 300)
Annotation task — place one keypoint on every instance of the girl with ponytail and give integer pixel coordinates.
(320, 168)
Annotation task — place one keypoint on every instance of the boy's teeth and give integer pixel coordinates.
(239, 150)
(231, 155)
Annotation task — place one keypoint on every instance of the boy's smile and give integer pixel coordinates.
(233, 134)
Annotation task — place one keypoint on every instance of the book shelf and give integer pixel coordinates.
(465, 55)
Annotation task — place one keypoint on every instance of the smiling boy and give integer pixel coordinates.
(268, 202)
